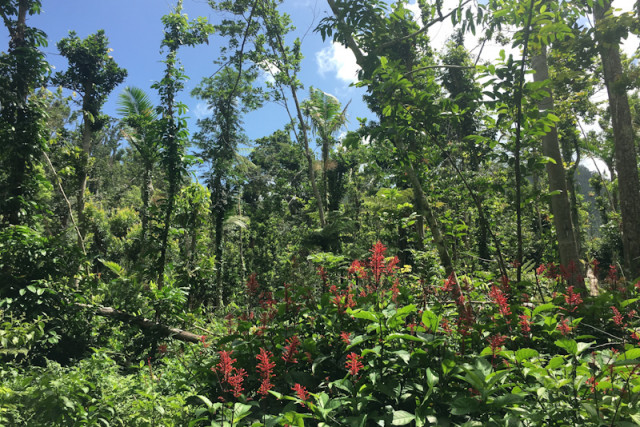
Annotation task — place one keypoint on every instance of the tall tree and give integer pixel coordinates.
(560, 206)
(228, 94)
(178, 31)
(608, 34)
(93, 73)
(390, 48)
(22, 70)
(327, 117)
(140, 130)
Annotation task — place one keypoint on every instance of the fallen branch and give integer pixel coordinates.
(143, 323)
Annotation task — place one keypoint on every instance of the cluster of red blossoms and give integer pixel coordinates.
(231, 376)
(291, 349)
(265, 370)
(353, 363)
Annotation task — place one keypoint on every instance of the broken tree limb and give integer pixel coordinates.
(143, 323)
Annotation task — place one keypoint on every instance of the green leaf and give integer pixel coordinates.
(205, 400)
(571, 346)
(401, 418)
(432, 379)
(404, 355)
(525, 354)
(362, 314)
(634, 353)
(543, 307)
(430, 320)
(556, 362)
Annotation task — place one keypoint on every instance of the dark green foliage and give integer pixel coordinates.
(23, 69)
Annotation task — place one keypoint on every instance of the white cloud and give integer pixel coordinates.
(201, 111)
(337, 58)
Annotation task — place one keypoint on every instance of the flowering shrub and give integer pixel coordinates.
(381, 348)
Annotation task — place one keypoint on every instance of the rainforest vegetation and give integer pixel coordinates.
(448, 261)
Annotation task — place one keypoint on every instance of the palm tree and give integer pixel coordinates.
(327, 117)
(140, 120)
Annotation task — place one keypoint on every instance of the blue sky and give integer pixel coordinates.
(134, 30)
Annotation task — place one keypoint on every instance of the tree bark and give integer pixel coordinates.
(143, 323)
(560, 207)
(624, 148)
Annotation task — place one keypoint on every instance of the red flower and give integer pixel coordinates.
(449, 283)
(225, 366)
(499, 298)
(613, 274)
(291, 349)
(392, 264)
(525, 325)
(203, 338)
(541, 269)
(357, 269)
(346, 337)
(617, 317)
(301, 392)
(252, 285)
(162, 349)
(265, 370)
(444, 324)
(564, 327)
(236, 380)
(572, 299)
(353, 363)
(376, 262)
(323, 276)
(496, 342)
(395, 291)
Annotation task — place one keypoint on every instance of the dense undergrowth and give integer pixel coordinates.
(371, 345)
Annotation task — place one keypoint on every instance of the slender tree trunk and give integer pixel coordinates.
(624, 147)
(560, 207)
(325, 165)
(84, 172)
(147, 191)
(309, 155)
(171, 145)
(305, 134)
(424, 209)
(218, 252)
(422, 203)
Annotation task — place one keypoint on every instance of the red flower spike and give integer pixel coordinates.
(301, 392)
(525, 325)
(376, 262)
(501, 300)
(346, 337)
(395, 291)
(203, 338)
(617, 317)
(572, 299)
(236, 380)
(252, 285)
(496, 342)
(357, 269)
(564, 327)
(265, 370)
(353, 363)
(225, 366)
(291, 349)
